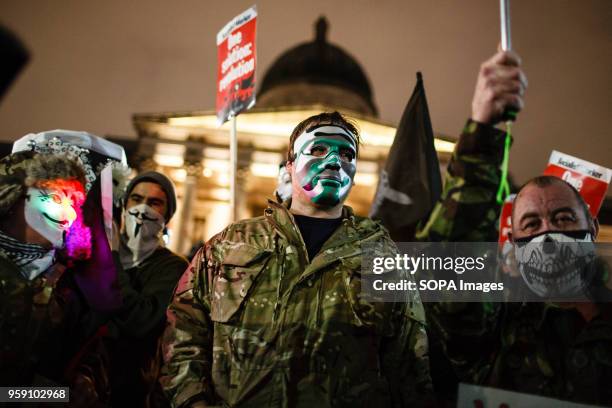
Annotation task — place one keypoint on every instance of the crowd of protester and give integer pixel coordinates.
(269, 312)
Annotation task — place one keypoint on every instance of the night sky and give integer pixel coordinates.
(94, 64)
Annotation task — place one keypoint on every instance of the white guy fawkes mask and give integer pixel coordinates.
(283, 184)
(49, 212)
(143, 227)
(326, 163)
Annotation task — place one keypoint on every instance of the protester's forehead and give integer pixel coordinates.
(334, 140)
(47, 190)
(147, 188)
(51, 189)
(63, 185)
(544, 200)
(324, 131)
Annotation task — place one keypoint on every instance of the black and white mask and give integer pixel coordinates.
(143, 227)
(556, 263)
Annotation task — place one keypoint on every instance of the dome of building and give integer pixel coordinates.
(317, 72)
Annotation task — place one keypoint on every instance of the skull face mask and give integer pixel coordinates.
(50, 212)
(142, 234)
(556, 264)
(326, 163)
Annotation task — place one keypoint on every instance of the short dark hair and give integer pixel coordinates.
(331, 118)
(546, 181)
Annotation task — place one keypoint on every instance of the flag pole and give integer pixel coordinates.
(504, 13)
(509, 115)
(233, 168)
(506, 43)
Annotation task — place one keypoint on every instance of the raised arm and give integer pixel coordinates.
(467, 210)
(466, 333)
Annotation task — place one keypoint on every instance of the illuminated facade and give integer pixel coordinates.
(310, 78)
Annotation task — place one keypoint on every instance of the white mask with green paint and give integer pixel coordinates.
(325, 163)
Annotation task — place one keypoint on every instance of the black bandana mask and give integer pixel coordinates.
(556, 263)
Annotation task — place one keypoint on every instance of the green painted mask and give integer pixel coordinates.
(325, 163)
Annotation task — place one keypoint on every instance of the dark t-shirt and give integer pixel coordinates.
(315, 231)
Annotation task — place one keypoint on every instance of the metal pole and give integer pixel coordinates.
(509, 115)
(506, 44)
(504, 13)
(233, 170)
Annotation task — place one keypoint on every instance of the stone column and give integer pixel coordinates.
(181, 242)
(182, 237)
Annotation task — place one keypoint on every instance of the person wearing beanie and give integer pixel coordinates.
(149, 204)
(148, 277)
(163, 182)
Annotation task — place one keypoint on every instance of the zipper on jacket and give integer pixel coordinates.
(282, 257)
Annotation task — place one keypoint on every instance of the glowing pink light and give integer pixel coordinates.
(78, 236)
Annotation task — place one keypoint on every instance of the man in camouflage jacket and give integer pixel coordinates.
(557, 350)
(260, 319)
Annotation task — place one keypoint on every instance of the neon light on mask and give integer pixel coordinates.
(326, 163)
(51, 210)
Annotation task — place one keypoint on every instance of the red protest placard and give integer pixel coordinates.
(236, 65)
(590, 179)
(505, 219)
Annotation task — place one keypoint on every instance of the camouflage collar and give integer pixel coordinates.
(282, 219)
(347, 212)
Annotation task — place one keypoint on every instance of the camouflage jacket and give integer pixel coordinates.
(38, 325)
(535, 348)
(255, 323)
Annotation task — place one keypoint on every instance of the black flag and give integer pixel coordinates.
(410, 184)
(14, 56)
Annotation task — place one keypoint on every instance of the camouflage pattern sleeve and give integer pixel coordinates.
(467, 210)
(462, 334)
(187, 340)
(405, 358)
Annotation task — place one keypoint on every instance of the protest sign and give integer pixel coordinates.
(590, 179)
(236, 65)
(505, 219)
